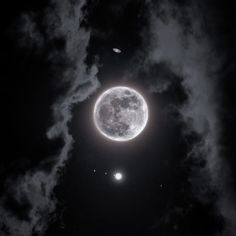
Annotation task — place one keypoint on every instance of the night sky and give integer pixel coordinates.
(57, 170)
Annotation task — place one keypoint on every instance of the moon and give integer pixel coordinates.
(120, 113)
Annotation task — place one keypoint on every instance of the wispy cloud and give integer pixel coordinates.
(178, 40)
(33, 192)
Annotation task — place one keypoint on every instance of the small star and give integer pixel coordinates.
(105, 173)
(94, 170)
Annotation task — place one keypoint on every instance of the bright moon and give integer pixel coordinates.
(118, 176)
(120, 113)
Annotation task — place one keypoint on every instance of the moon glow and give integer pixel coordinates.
(120, 113)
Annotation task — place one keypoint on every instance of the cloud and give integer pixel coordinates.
(32, 193)
(28, 32)
(177, 39)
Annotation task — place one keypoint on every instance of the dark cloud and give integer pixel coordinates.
(28, 32)
(32, 194)
(178, 39)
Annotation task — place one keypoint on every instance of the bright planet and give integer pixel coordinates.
(118, 176)
(120, 113)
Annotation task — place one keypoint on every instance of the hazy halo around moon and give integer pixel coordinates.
(120, 113)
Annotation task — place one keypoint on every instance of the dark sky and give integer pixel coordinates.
(179, 173)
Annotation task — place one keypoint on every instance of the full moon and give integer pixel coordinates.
(120, 113)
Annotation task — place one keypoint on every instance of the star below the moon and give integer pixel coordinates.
(118, 176)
